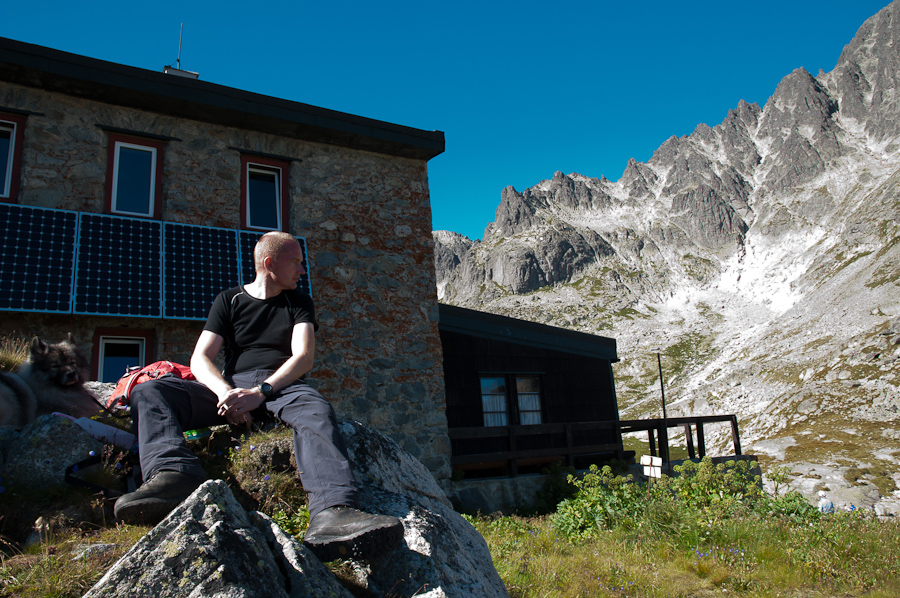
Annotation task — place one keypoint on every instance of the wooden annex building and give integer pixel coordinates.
(521, 395)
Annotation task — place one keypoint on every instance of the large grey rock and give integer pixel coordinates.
(43, 450)
(442, 554)
(210, 546)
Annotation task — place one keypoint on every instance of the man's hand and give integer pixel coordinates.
(236, 404)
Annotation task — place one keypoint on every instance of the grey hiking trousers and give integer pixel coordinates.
(163, 409)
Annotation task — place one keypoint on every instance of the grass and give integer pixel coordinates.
(672, 549)
(13, 351)
(608, 538)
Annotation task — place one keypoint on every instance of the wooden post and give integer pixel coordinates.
(570, 458)
(689, 437)
(701, 440)
(664, 442)
(735, 436)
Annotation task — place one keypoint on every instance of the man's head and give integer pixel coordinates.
(278, 256)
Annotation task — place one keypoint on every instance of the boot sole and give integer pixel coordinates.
(364, 545)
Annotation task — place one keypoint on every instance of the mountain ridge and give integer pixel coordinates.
(759, 256)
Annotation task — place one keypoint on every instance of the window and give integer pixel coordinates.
(11, 134)
(493, 401)
(134, 176)
(117, 349)
(511, 399)
(528, 392)
(264, 193)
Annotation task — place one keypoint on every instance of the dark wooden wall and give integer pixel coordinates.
(574, 388)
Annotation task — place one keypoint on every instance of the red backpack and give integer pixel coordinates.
(121, 395)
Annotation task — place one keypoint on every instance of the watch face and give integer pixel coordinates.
(266, 389)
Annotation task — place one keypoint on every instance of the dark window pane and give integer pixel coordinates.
(263, 208)
(493, 401)
(5, 162)
(118, 357)
(528, 389)
(134, 181)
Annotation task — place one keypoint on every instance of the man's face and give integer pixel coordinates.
(287, 267)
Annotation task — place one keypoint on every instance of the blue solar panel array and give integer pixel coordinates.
(59, 261)
(37, 258)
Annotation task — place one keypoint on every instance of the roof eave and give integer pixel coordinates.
(53, 70)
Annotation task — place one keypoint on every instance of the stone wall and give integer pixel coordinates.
(366, 218)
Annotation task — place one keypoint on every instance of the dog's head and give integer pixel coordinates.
(61, 363)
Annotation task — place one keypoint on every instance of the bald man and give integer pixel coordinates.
(267, 330)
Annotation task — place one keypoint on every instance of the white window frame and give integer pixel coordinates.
(253, 167)
(140, 341)
(152, 182)
(12, 128)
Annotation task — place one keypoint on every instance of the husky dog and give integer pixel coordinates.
(52, 379)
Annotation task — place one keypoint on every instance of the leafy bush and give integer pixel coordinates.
(701, 495)
(603, 501)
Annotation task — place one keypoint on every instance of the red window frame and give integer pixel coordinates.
(271, 163)
(147, 334)
(18, 138)
(112, 140)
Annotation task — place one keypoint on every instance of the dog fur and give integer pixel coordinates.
(51, 379)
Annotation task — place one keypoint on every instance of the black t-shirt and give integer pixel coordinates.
(257, 332)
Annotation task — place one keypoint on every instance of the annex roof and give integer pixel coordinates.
(522, 332)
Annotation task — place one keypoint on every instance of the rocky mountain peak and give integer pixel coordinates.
(761, 254)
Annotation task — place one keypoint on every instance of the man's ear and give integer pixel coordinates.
(268, 262)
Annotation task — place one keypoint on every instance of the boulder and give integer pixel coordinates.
(39, 455)
(442, 554)
(210, 546)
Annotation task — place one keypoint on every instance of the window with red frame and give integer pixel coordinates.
(134, 176)
(265, 193)
(12, 132)
(117, 349)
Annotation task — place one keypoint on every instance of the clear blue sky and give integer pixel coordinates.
(520, 88)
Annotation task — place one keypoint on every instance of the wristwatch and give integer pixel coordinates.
(266, 389)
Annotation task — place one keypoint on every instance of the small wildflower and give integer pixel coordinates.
(91, 453)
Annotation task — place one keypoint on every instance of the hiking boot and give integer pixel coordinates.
(345, 532)
(149, 504)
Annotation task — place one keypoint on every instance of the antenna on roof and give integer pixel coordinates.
(176, 70)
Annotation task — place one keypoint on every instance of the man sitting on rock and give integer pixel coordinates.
(267, 329)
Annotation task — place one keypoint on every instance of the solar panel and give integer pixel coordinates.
(37, 255)
(119, 266)
(200, 261)
(61, 261)
(248, 270)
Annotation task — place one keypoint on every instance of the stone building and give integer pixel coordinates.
(129, 197)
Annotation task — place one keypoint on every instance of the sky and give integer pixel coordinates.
(521, 89)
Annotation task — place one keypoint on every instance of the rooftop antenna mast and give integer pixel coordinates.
(180, 37)
(177, 70)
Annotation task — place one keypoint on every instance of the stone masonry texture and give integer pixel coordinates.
(366, 218)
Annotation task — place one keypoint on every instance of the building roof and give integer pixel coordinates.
(521, 332)
(109, 82)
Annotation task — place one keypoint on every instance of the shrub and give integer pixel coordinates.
(603, 501)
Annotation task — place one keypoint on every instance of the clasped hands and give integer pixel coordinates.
(236, 405)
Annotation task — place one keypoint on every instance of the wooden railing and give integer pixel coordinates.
(690, 424)
(511, 456)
